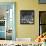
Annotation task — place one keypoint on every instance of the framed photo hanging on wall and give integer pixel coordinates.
(27, 17)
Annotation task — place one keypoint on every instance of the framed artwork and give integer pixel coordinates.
(42, 1)
(42, 22)
(27, 17)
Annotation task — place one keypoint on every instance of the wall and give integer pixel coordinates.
(28, 31)
(24, 30)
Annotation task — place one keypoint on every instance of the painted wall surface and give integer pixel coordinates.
(31, 30)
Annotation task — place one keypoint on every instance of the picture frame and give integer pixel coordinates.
(27, 17)
(42, 1)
